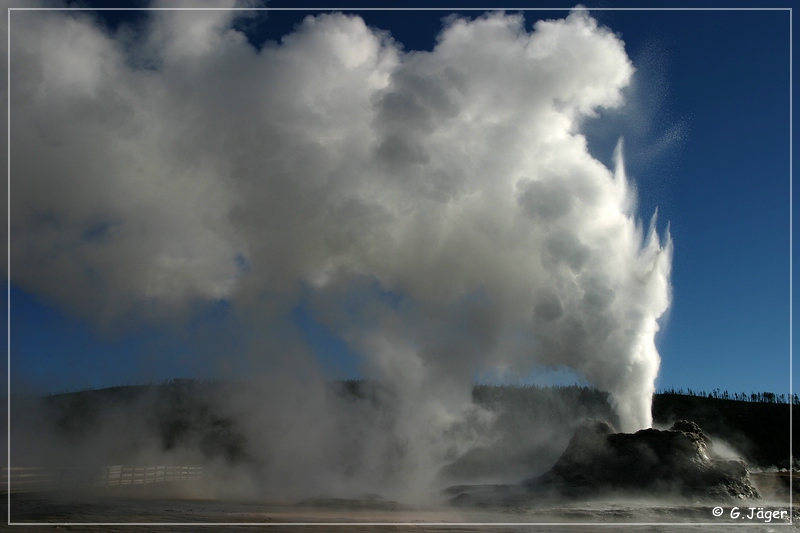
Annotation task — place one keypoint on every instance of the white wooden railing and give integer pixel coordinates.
(36, 479)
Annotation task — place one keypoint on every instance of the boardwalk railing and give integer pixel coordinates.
(37, 479)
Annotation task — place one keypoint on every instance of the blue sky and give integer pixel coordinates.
(725, 191)
(706, 129)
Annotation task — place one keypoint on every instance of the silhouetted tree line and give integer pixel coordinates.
(755, 397)
(533, 423)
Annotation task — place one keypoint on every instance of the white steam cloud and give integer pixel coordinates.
(450, 189)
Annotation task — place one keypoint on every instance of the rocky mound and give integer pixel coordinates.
(650, 463)
(677, 461)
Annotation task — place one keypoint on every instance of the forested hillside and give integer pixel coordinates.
(528, 428)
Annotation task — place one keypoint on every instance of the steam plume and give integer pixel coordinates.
(451, 190)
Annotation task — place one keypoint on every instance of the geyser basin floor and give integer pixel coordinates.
(593, 516)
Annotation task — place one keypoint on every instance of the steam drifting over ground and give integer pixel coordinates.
(438, 211)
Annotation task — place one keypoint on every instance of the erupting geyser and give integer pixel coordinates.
(450, 191)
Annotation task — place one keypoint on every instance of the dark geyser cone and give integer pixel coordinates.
(599, 462)
(648, 462)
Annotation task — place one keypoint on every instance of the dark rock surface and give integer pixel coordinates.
(678, 462)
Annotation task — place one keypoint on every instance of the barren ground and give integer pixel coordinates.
(109, 513)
